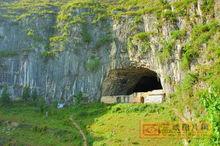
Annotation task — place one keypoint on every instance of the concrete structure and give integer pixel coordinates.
(155, 96)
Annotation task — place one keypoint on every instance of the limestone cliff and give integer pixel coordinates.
(101, 47)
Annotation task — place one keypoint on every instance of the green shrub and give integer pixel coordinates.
(78, 98)
(138, 20)
(92, 64)
(5, 97)
(8, 53)
(142, 36)
(140, 40)
(169, 15)
(103, 41)
(127, 108)
(181, 7)
(189, 53)
(85, 34)
(202, 33)
(178, 34)
(30, 32)
(208, 6)
(26, 93)
(185, 62)
(184, 91)
(40, 129)
(34, 95)
(48, 54)
(165, 54)
(189, 80)
(211, 101)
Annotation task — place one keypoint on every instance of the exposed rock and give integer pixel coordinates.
(71, 70)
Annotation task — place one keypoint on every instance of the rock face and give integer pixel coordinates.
(91, 56)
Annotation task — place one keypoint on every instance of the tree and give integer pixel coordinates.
(5, 97)
(26, 93)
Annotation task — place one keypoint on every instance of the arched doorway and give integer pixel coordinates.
(142, 99)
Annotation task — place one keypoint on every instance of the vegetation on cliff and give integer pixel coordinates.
(199, 43)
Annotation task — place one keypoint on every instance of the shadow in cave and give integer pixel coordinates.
(145, 84)
(128, 81)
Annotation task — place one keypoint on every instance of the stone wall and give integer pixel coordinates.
(155, 96)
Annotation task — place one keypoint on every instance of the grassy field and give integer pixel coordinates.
(112, 125)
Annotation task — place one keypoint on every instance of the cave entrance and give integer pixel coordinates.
(129, 81)
(147, 83)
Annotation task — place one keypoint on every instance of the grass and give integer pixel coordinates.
(37, 129)
(166, 52)
(93, 64)
(140, 42)
(102, 124)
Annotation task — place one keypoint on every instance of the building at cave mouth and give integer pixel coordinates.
(155, 96)
(132, 85)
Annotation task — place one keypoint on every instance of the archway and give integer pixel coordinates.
(128, 81)
(142, 99)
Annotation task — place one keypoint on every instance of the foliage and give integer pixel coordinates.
(48, 54)
(165, 54)
(181, 7)
(78, 98)
(30, 32)
(201, 33)
(129, 108)
(5, 97)
(211, 101)
(89, 12)
(8, 53)
(185, 96)
(104, 40)
(200, 36)
(34, 95)
(37, 129)
(188, 82)
(95, 119)
(169, 45)
(26, 93)
(208, 6)
(178, 34)
(93, 64)
(142, 36)
(169, 15)
(141, 41)
(201, 39)
(85, 34)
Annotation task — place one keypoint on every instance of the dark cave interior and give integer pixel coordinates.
(128, 81)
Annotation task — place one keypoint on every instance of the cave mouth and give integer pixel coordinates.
(129, 81)
(145, 84)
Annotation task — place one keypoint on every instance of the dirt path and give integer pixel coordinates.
(80, 131)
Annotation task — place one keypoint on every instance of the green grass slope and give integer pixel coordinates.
(26, 124)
